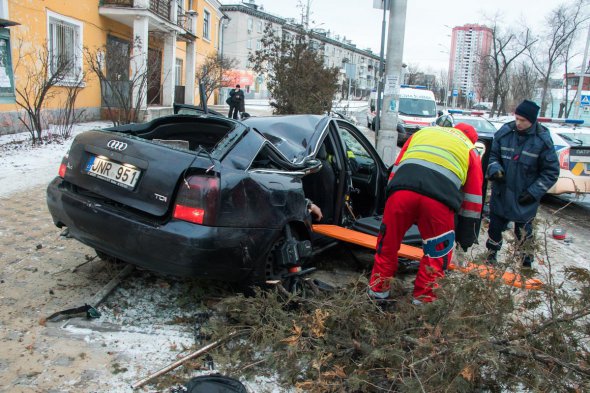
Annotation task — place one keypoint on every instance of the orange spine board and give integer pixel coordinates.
(414, 253)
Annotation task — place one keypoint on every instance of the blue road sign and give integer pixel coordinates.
(585, 100)
(470, 95)
(455, 92)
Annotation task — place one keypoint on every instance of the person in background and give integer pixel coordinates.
(437, 174)
(236, 102)
(523, 165)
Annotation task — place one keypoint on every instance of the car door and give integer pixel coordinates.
(368, 174)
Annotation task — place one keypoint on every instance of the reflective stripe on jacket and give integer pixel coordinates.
(456, 181)
(445, 150)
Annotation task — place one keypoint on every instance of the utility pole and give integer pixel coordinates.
(578, 97)
(386, 140)
(381, 68)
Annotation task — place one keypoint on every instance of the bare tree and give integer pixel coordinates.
(413, 74)
(566, 104)
(442, 86)
(67, 114)
(484, 84)
(110, 64)
(211, 72)
(506, 47)
(41, 74)
(523, 81)
(562, 24)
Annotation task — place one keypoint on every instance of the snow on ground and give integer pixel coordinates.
(23, 166)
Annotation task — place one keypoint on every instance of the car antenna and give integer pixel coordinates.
(210, 159)
(186, 183)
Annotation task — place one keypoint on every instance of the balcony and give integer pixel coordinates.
(164, 15)
(187, 21)
(158, 7)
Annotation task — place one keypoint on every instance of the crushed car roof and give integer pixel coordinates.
(290, 134)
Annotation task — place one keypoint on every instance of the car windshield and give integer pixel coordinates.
(416, 107)
(480, 125)
(576, 139)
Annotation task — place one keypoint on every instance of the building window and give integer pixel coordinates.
(249, 43)
(6, 74)
(206, 24)
(178, 72)
(250, 24)
(65, 47)
(260, 27)
(258, 45)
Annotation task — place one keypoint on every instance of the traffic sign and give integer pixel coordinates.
(585, 100)
(470, 95)
(455, 92)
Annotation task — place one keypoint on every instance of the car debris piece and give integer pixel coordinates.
(89, 308)
(559, 233)
(190, 356)
(86, 310)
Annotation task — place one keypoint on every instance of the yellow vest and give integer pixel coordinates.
(443, 146)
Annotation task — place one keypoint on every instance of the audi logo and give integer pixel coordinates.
(116, 145)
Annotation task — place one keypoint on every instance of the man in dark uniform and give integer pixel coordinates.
(523, 166)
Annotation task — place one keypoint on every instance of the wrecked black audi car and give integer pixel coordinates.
(196, 194)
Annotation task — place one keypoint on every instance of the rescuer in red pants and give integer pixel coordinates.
(436, 175)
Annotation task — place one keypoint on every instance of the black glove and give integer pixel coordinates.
(498, 176)
(525, 198)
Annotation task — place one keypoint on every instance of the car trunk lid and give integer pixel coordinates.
(129, 170)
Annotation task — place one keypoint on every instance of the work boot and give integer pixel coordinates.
(527, 261)
(491, 258)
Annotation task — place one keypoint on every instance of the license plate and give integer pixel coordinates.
(122, 175)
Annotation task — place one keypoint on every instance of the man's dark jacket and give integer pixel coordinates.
(529, 163)
(237, 99)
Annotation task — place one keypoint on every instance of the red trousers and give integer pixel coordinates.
(403, 209)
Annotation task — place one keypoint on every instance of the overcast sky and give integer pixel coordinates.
(425, 35)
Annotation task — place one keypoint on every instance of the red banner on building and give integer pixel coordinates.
(238, 77)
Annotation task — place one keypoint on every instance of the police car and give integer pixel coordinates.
(572, 145)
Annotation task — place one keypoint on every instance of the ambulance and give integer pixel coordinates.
(417, 109)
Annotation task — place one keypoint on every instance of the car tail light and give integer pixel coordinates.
(197, 200)
(564, 158)
(63, 167)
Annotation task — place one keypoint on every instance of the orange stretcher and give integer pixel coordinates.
(415, 253)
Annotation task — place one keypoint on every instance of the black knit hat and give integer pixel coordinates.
(528, 109)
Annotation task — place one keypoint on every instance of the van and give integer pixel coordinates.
(417, 109)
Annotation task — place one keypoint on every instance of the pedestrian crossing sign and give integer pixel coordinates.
(585, 100)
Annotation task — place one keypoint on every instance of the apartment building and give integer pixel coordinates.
(469, 44)
(164, 37)
(243, 34)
